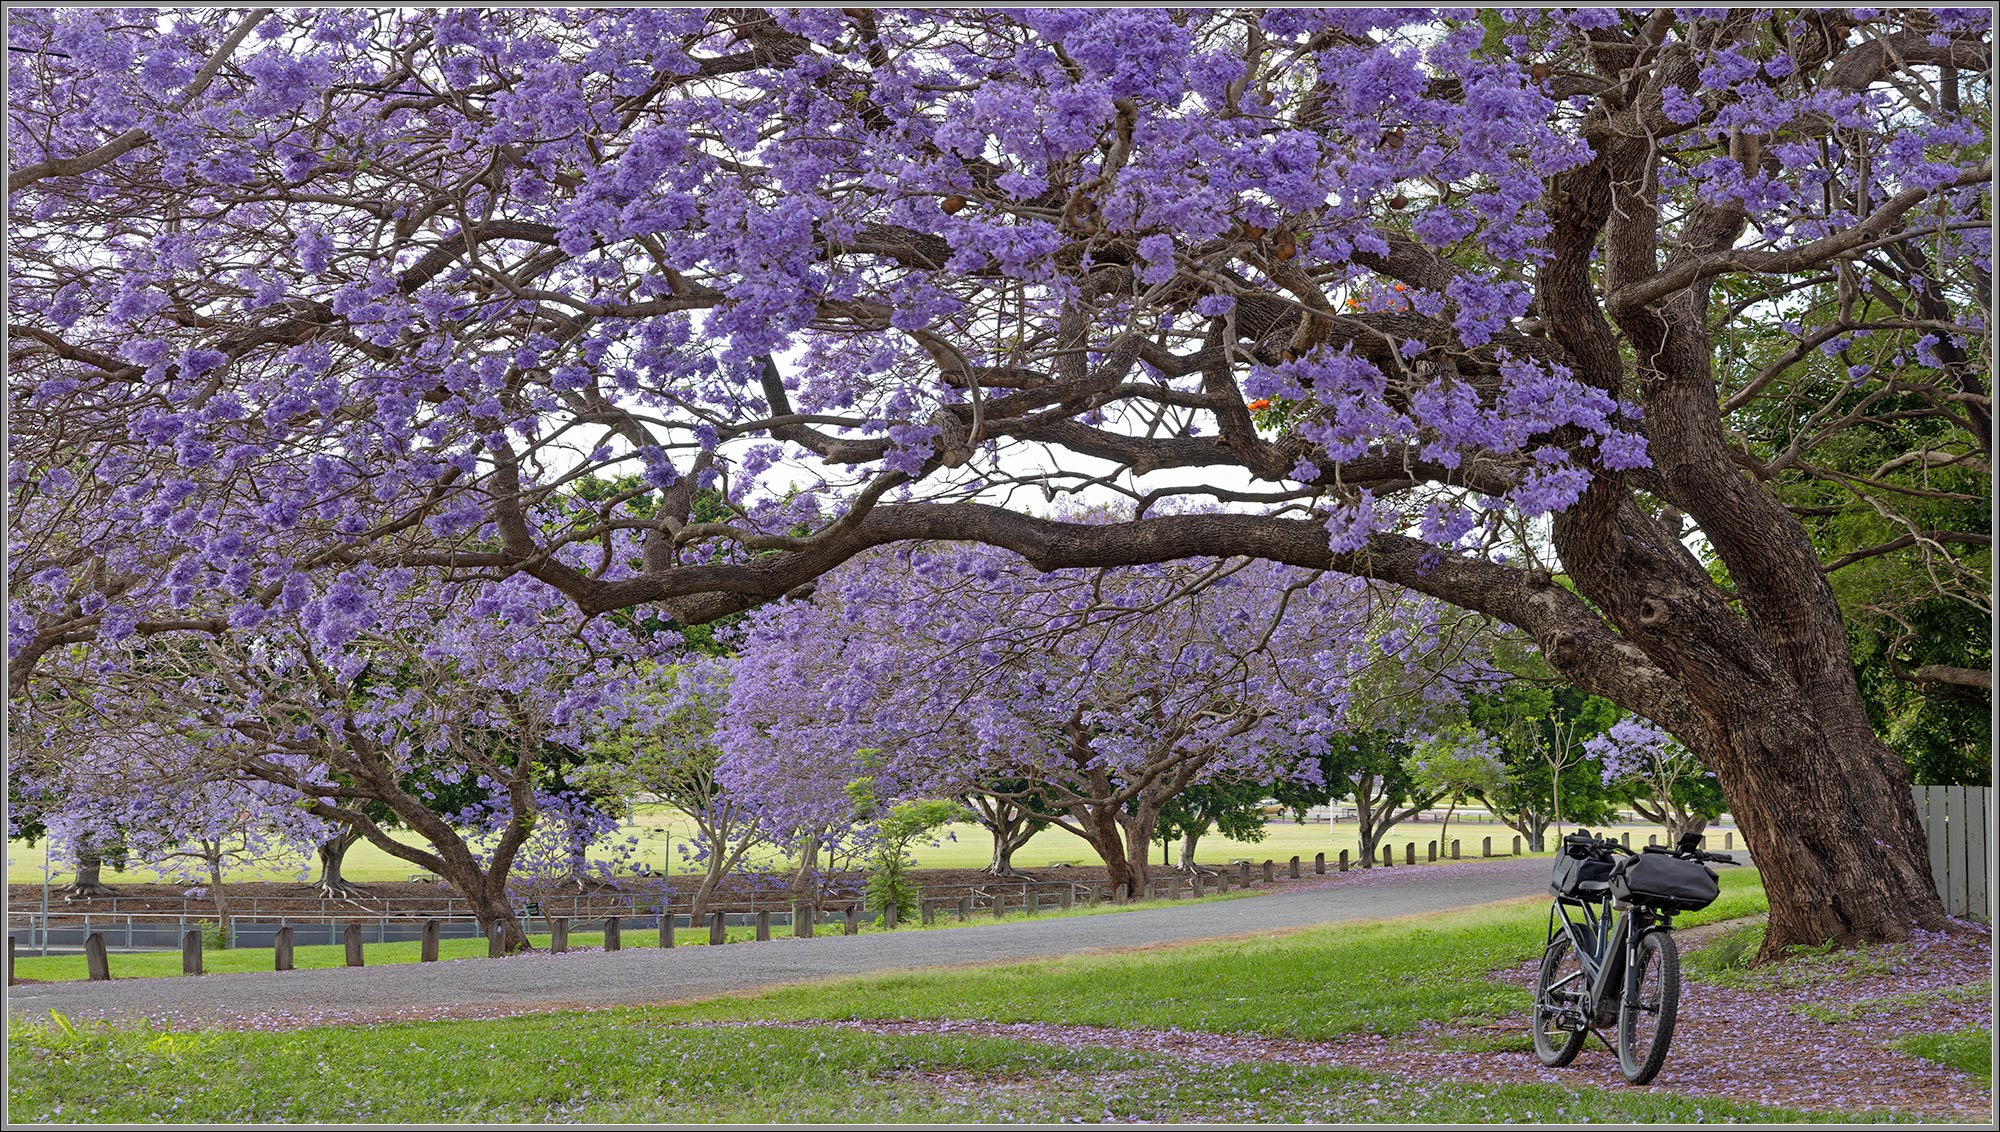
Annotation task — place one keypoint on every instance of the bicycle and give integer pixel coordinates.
(1618, 962)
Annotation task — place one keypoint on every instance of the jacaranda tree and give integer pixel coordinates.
(1098, 695)
(299, 290)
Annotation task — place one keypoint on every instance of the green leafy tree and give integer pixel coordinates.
(1231, 806)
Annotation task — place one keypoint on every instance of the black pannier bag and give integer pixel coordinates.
(1580, 876)
(1669, 883)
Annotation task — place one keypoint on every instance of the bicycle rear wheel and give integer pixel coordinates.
(1560, 994)
(1646, 1016)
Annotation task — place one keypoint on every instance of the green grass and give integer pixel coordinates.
(713, 1061)
(967, 847)
(1968, 1051)
(624, 1066)
(1907, 1001)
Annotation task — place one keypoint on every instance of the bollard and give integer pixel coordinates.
(1120, 896)
(1173, 888)
(764, 925)
(1626, 838)
(1729, 841)
(1292, 867)
(1243, 874)
(718, 931)
(1388, 855)
(999, 904)
(1270, 871)
(1221, 883)
(889, 916)
(351, 937)
(1319, 864)
(613, 937)
(1486, 847)
(1200, 886)
(1517, 846)
(559, 935)
(965, 908)
(430, 944)
(1343, 860)
(1410, 853)
(1066, 899)
(667, 926)
(1454, 848)
(1031, 903)
(95, 958)
(802, 920)
(1432, 849)
(927, 910)
(851, 920)
(281, 949)
(191, 952)
(1651, 840)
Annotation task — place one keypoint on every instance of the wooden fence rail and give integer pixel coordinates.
(1956, 825)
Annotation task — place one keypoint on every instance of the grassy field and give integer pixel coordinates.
(736, 1060)
(964, 846)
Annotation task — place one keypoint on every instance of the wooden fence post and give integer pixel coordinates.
(667, 926)
(1432, 849)
(95, 959)
(1409, 852)
(1066, 899)
(1626, 838)
(763, 925)
(191, 952)
(1343, 860)
(1388, 855)
(1031, 903)
(1454, 848)
(1729, 841)
(1173, 888)
(1221, 883)
(965, 908)
(1652, 840)
(1319, 864)
(1119, 895)
(351, 937)
(430, 944)
(802, 919)
(1292, 867)
(1270, 871)
(1517, 846)
(718, 930)
(614, 937)
(889, 916)
(999, 903)
(851, 920)
(558, 935)
(1200, 886)
(1486, 847)
(281, 949)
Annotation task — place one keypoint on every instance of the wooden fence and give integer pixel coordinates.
(1955, 821)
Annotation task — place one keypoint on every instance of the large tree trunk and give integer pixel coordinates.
(331, 854)
(1824, 805)
(89, 868)
(1188, 842)
(217, 894)
(498, 922)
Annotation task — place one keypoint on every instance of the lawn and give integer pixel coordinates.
(963, 846)
(737, 1060)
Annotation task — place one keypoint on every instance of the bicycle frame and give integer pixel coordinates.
(1606, 944)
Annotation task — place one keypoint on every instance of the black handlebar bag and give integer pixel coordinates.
(1671, 884)
(1580, 877)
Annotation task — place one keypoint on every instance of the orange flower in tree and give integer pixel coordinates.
(1259, 403)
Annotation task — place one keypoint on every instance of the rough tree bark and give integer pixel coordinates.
(88, 882)
(332, 853)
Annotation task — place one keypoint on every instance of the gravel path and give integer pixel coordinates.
(534, 982)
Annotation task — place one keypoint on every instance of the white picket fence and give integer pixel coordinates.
(1956, 823)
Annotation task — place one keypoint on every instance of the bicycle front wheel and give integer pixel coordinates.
(1646, 1013)
(1561, 996)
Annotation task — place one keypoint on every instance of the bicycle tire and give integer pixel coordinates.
(1646, 1028)
(1556, 1047)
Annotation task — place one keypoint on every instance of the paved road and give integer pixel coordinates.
(470, 987)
